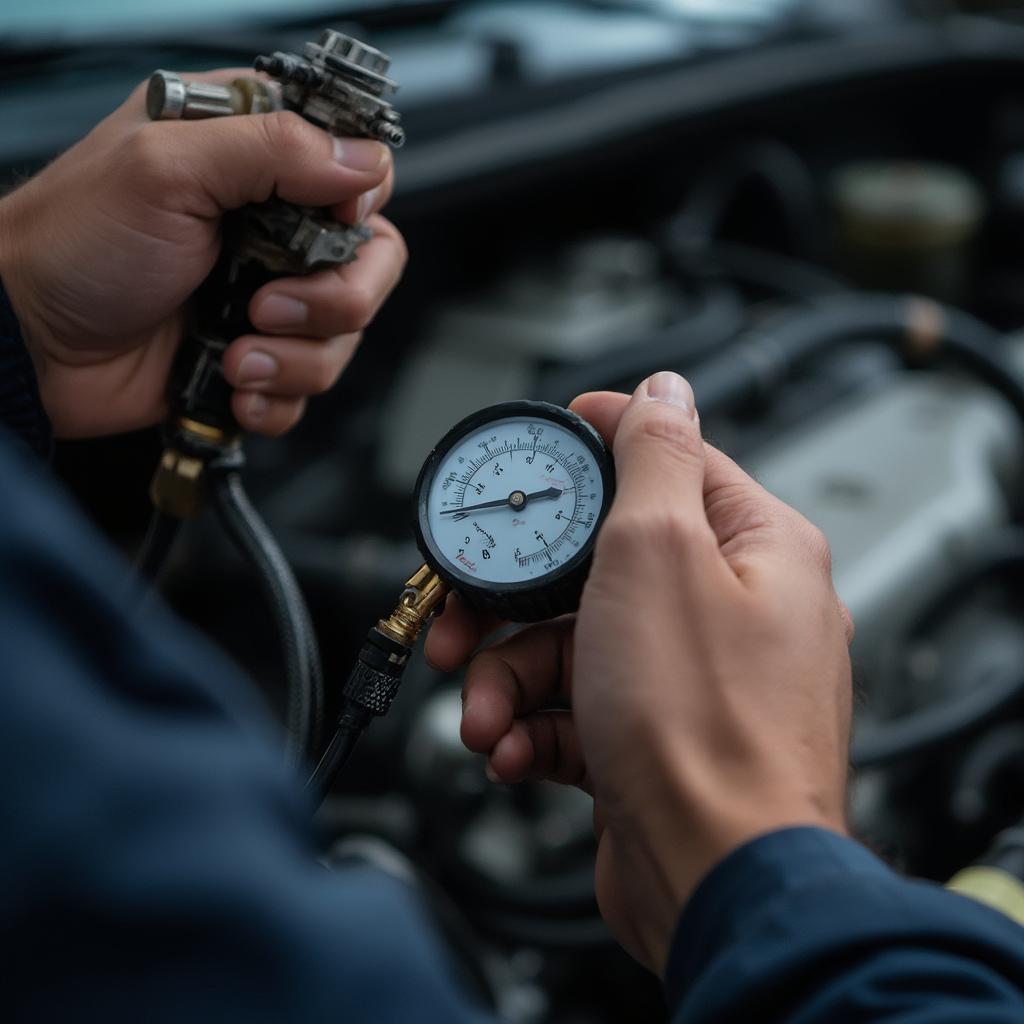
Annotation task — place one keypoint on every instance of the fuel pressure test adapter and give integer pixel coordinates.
(340, 85)
(507, 505)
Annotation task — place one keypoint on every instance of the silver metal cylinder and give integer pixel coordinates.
(170, 98)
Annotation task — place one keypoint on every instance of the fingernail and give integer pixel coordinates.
(257, 367)
(671, 388)
(367, 204)
(280, 313)
(257, 407)
(360, 154)
(491, 773)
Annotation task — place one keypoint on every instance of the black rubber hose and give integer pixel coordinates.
(716, 318)
(760, 268)
(934, 726)
(991, 759)
(156, 546)
(302, 659)
(351, 726)
(766, 162)
(919, 329)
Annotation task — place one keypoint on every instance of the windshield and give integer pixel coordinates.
(70, 19)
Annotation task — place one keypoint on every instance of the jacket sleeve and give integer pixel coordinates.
(807, 927)
(156, 856)
(21, 410)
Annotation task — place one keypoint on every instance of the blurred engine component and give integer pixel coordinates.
(595, 190)
(600, 294)
(906, 482)
(907, 226)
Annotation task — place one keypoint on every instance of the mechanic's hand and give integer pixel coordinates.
(101, 250)
(707, 667)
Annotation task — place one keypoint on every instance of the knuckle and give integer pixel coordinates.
(653, 532)
(284, 131)
(357, 309)
(282, 418)
(849, 626)
(325, 371)
(818, 546)
(147, 157)
(664, 424)
(403, 249)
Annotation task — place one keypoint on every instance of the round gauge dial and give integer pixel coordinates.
(508, 506)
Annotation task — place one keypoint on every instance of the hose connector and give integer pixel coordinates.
(178, 488)
(377, 674)
(424, 593)
(373, 683)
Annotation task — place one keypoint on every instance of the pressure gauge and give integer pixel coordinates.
(508, 506)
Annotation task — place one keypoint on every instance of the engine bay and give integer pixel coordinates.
(592, 192)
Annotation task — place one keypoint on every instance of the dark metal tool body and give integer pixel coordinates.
(338, 84)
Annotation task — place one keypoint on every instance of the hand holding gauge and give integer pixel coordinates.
(523, 555)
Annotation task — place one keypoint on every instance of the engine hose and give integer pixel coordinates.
(156, 546)
(716, 317)
(991, 759)
(763, 269)
(765, 162)
(936, 725)
(351, 726)
(303, 672)
(921, 330)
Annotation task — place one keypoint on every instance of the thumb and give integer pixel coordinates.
(659, 454)
(209, 166)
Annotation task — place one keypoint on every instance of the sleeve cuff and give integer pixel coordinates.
(747, 881)
(21, 408)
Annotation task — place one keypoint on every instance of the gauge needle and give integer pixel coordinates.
(516, 500)
(551, 492)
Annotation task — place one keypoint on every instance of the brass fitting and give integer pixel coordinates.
(178, 486)
(424, 593)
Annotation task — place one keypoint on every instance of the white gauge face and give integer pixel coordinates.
(514, 500)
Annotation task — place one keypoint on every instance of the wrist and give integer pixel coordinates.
(693, 815)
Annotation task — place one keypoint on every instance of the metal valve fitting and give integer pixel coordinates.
(170, 98)
(340, 84)
(423, 596)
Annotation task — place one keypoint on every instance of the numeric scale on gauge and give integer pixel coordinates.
(508, 504)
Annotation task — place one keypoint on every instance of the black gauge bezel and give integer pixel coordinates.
(482, 594)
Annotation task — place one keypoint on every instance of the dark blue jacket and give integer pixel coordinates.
(156, 861)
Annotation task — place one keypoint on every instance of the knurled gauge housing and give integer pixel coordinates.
(508, 506)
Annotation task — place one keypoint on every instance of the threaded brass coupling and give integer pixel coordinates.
(178, 487)
(424, 594)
